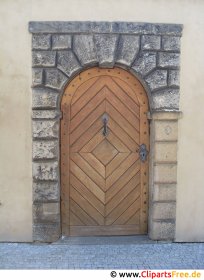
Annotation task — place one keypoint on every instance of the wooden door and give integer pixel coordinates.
(104, 182)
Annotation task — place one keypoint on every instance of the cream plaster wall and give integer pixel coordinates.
(15, 101)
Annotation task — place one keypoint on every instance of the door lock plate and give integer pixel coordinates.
(143, 152)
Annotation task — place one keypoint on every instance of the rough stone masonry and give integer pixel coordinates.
(60, 50)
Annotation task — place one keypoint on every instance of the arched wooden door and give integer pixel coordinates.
(104, 173)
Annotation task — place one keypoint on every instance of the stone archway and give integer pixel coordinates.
(63, 49)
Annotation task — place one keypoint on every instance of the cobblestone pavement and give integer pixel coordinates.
(102, 253)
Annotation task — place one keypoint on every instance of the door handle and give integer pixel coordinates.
(105, 124)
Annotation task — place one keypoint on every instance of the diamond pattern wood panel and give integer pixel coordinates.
(104, 183)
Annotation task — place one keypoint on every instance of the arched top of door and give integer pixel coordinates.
(117, 76)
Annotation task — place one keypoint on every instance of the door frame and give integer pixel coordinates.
(61, 50)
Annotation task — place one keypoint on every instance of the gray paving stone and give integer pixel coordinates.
(124, 255)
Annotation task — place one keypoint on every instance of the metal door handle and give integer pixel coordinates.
(105, 126)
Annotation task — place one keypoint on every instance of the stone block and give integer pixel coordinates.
(171, 43)
(157, 79)
(60, 42)
(54, 78)
(45, 129)
(46, 212)
(45, 149)
(37, 77)
(145, 62)
(165, 151)
(46, 232)
(43, 58)
(105, 27)
(165, 173)
(128, 48)
(146, 28)
(106, 47)
(174, 78)
(166, 99)
(166, 115)
(46, 114)
(84, 48)
(151, 42)
(68, 63)
(41, 42)
(166, 130)
(44, 98)
(164, 210)
(45, 191)
(45, 171)
(164, 192)
(162, 230)
(168, 59)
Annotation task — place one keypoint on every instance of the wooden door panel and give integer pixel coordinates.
(116, 162)
(122, 135)
(86, 123)
(87, 169)
(119, 196)
(84, 178)
(87, 109)
(104, 182)
(122, 207)
(87, 136)
(122, 122)
(87, 194)
(96, 88)
(122, 95)
(95, 163)
(84, 204)
(119, 171)
(121, 107)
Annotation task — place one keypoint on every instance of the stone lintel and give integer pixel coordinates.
(105, 27)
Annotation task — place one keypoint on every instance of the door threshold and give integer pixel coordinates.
(104, 240)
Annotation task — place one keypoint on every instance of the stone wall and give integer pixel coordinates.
(163, 175)
(60, 50)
